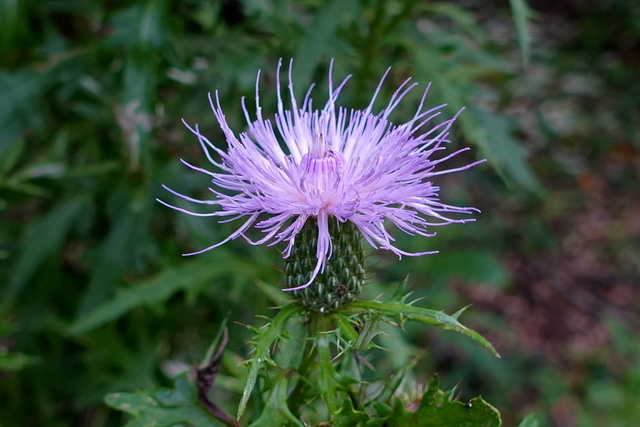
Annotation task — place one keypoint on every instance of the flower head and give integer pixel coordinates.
(353, 165)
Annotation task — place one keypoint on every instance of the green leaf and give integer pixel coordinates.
(464, 18)
(274, 293)
(347, 416)
(156, 290)
(264, 339)
(16, 361)
(11, 22)
(496, 136)
(476, 267)
(276, 413)
(318, 36)
(521, 14)
(488, 130)
(43, 239)
(327, 380)
(431, 317)
(163, 407)
(438, 410)
(530, 420)
(343, 325)
(369, 331)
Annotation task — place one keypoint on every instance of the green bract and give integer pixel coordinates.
(343, 276)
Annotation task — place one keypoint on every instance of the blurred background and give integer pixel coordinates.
(95, 296)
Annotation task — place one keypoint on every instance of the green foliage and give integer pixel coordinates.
(530, 421)
(276, 412)
(92, 283)
(156, 291)
(264, 339)
(163, 407)
(404, 312)
(521, 14)
(322, 380)
(438, 409)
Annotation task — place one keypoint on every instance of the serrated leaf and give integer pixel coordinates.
(163, 407)
(264, 339)
(423, 315)
(438, 410)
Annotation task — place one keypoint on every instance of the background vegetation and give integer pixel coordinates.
(95, 296)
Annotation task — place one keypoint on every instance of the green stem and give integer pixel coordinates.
(317, 345)
(327, 380)
(308, 357)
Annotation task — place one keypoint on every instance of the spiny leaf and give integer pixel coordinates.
(400, 295)
(368, 333)
(438, 410)
(423, 315)
(264, 339)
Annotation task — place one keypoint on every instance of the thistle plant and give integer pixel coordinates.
(325, 183)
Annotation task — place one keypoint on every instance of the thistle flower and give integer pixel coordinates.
(312, 166)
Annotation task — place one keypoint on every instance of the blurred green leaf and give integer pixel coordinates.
(19, 111)
(16, 361)
(496, 133)
(163, 407)
(318, 37)
(43, 239)
(530, 421)
(10, 22)
(465, 19)
(521, 14)
(473, 266)
(156, 290)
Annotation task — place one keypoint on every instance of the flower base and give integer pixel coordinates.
(343, 277)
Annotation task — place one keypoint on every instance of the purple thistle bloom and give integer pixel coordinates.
(354, 165)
